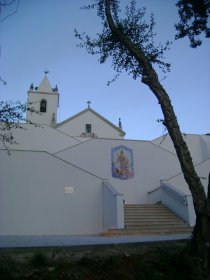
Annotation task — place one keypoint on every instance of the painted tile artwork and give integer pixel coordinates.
(122, 163)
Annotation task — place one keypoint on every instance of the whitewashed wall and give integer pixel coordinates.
(33, 199)
(199, 145)
(151, 164)
(41, 138)
(202, 169)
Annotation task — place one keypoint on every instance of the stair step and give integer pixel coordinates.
(140, 206)
(146, 216)
(152, 218)
(166, 231)
(156, 216)
(189, 229)
(145, 223)
(171, 226)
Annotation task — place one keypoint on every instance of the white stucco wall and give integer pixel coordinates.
(33, 200)
(202, 169)
(41, 138)
(76, 126)
(199, 145)
(151, 164)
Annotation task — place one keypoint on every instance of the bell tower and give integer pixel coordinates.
(43, 102)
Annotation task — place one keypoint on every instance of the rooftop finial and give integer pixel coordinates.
(89, 102)
(55, 89)
(120, 124)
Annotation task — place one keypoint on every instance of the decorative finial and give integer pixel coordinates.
(55, 89)
(89, 102)
(53, 122)
(120, 124)
(46, 72)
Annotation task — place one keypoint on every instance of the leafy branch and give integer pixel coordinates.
(11, 116)
(132, 25)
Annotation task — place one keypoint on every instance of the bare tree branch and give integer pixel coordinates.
(7, 4)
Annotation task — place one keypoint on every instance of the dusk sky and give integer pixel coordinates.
(40, 36)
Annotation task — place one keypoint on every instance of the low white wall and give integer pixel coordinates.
(191, 211)
(43, 195)
(113, 206)
(178, 202)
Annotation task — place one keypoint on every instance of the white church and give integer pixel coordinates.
(81, 177)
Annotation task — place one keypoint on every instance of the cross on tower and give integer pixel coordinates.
(89, 102)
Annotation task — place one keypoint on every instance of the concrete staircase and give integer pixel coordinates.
(150, 219)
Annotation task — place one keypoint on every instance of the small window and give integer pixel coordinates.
(88, 128)
(43, 106)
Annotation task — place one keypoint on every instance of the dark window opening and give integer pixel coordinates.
(43, 106)
(88, 128)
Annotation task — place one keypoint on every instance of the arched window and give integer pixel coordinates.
(43, 106)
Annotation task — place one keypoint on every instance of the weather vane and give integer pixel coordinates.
(46, 71)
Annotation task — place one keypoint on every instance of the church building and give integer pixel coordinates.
(82, 177)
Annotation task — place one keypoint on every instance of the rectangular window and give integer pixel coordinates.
(88, 128)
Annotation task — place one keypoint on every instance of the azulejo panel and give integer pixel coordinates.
(122, 162)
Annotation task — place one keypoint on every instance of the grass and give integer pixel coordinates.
(151, 264)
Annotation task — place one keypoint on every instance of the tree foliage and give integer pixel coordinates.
(11, 114)
(194, 16)
(134, 26)
(5, 4)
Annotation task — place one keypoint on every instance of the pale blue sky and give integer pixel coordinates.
(40, 36)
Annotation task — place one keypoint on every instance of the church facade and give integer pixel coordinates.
(74, 177)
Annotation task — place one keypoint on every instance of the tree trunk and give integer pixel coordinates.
(199, 248)
(200, 242)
